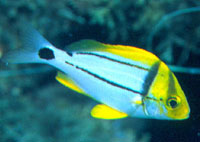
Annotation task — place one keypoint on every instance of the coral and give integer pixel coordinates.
(173, 38)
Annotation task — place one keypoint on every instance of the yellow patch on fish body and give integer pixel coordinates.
(167, 91)
(129, 52)
(133, 53)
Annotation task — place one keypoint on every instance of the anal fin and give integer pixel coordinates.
(102, 111)
(66, 81)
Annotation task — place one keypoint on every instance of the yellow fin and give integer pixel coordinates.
(102, 111)
(129, 52)
(66, 81)
(85, 45)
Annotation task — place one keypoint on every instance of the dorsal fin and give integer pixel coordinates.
(68, 82)
(102, 111)
(85, 45)
(129, 52)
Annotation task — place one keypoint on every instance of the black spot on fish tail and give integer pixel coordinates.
(46, 53)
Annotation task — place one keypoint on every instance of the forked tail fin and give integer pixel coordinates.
(33, 42)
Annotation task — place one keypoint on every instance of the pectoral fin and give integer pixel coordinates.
(102, 111)
(66, 81)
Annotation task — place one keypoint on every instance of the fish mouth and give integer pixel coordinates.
(185, 114)
(183, 117)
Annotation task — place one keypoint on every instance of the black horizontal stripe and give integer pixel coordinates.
(111, 59)
(103, 79)
(69, 63)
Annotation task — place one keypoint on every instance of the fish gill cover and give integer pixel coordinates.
(34, 107)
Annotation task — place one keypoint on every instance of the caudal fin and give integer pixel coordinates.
(33, 44)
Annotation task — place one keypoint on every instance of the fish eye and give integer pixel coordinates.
(173, 102)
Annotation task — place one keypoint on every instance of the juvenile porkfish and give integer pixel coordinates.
(126, 80)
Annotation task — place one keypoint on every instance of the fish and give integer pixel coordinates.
(126, 81)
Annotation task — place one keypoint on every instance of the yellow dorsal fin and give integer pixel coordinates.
(66, 81)
(129, 52)
(102, 111)
(85, 45)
